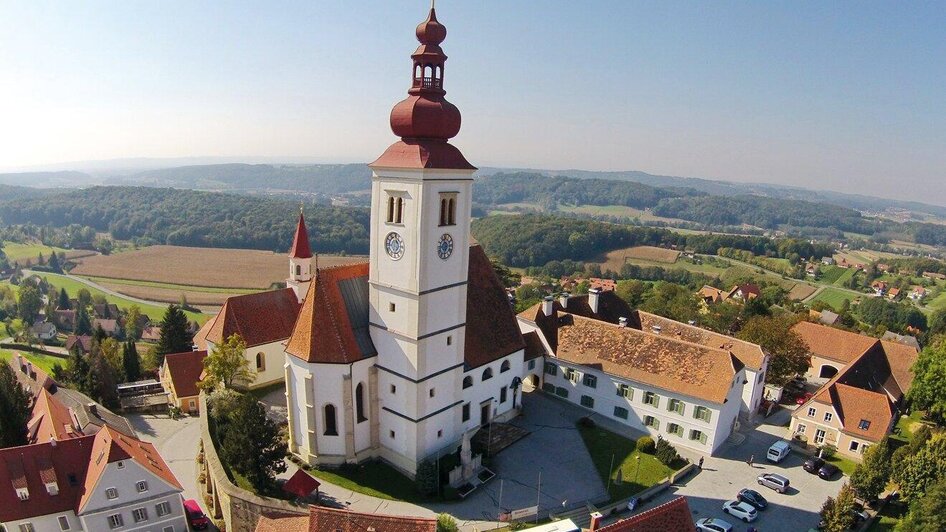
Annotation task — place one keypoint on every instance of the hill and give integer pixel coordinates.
(315, 178)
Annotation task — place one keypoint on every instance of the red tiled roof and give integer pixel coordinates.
(323, 333)
(185, 370)
(534, 347)
(833, 344)
(51, 420)
(85, 342)
(300, 242)
(260, 318)
(900, 357)
(322, 518)
(200, 337)
(301, 484)
(673, 516)
(28, 466)
(491, 328)
(748, 353)
(422, 153)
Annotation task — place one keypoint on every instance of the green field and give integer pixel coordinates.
(16, 251)
(155, 312)
(830, 274)
(638, 470)
(181, 287)
(43, 362)
(833, 297)
(845, 276)
(938, 302)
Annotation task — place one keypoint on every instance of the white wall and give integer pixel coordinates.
(45, 522)
(95, 514)
(275, 358)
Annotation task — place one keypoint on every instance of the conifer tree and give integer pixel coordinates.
(64, 303)
(174, 336)
(83, 322)
(131, 361)
(15, 405)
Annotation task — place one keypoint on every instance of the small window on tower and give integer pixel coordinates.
(399, 211)
(390, 209)
(449, 340)
(448, 208)
(391, 307)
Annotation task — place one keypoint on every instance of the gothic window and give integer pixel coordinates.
(504, 367)
(360, 402)
(467, 382)
(260, 362)
(487, 374)
(399, 211)
(390, 209)
(331, 428)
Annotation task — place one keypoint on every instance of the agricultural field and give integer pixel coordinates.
(20, 253)
(938, 302)
(833, 297)
(845, 276)
(801, 291)
(830, 274)
(645, 255)
(240, 269)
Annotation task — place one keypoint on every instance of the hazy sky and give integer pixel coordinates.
(845, 96)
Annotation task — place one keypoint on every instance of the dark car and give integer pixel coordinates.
(195, 516)
(753, 498)
(813, 464)
(828, 471)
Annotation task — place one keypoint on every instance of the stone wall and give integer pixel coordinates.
(237, 508)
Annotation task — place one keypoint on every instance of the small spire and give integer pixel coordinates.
(300, 242)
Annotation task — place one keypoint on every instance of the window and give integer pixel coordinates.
(532, 364)
(620, 412)
(828, 416)
(111, 493)
(819, 436)
(23, 494)
(390, 217)
(27, 527)
(504, 367)
(625, 391)
(64, 523)
(392, 307)
(812, 412)
(391, 434)
(801, 428)
(650, 398)
(360, 402)
(571, 375)
(140, 514)
(548, 387)
(467, 382)
(331, 428)
(141, 486)
(561, 392)
(864, 447)
(115, 521)
(551, 369)
(163, 509)
(698, 435)
(487, 374)
(590, 381)
(466, 412)
(854, 445)
(502, 394)
(449, 340)
(393, 389)
(260, 362)
(587, 401)
(651, 421)
(73, 479)
(864, 424)
(675, 405)
(432, 392)
(298, 269)
(448, 208)
(675, 429)
(703, 413)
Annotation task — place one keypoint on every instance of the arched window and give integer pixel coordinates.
(504, 367)
(467, 382)
(298, 269)
(443, 212)
(416, 71)
(400, 210)
(390, 209)
(487, 374)
(260, 362)
(331, 428)
(451, 212)
(360, 402)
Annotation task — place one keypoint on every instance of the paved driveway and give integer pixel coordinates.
(725, 474)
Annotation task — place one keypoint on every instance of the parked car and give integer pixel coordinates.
(774, 481)
(778, 451)
(753, 498)
(813, 464)
(195, 516)
(860, 515)
(710, 524)
(803, 398)
(740, 510)
(828, 471)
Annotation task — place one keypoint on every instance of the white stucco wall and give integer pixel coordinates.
(98, 508)
(45, 522)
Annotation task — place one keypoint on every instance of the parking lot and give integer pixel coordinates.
(728, 472)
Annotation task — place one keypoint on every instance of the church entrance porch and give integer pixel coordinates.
(497, 436)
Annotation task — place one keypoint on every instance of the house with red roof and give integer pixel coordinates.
(180, 375)
(674, 515)
(339, 520)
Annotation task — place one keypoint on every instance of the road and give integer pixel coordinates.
(92, 284)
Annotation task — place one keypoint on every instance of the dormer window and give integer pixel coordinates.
(395, 209)
(864, 424)
(52, 488)
(448, 208)
(23, 494)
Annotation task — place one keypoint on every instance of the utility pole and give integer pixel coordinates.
(538, 497)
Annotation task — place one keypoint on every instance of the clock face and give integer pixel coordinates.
(445, 246)
(394, 245)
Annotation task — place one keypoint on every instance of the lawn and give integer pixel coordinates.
(376, 479)
(155, 312)
(845, 465)
(845, 276)
(833, 297)
(639, 471)
(169, 286)
(906, 426)
(43, 362)
(16, 251)
(830, 274)
(888, 517)
(938, 302)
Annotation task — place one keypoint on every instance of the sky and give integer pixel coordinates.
(847, 96)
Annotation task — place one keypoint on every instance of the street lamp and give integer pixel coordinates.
(637, 470)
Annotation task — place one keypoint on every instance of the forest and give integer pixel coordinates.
(192, 218)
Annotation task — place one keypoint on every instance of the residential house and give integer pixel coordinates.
(893, 294)
(883, 267)
(83, 342)
(670, 516)
(879, 287)
(905, 339)
(110, 326)
(105, 311)
(605, 285)
(934, 276)
(827, 261)
(917, 293)
(341, 520)
(745, 292)
(44, 330)
(711, 294)
(827, 317)
(179, 376)
(811, 270)
(65, 319)
(152, 333)
(830, 349)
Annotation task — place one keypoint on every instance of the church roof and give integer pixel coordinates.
(300, 242)
(260, 318)
(491, 328)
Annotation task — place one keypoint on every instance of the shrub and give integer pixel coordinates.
(446, 523)
(426, 478)
(646, 445)
(665, 452)
(586, 423)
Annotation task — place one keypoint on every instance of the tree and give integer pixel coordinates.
(83, 321)
(15, 403)
(251, 445)
(928, 512)
(789, 354)
(446, 523)
(29, 303)
(174, 336)
(920, 471)
(426, 479)
(929, 382)
(77, 369)
(631, 291)
(64, 303)
(131, 362)
(133, 323)
(84, 297)
(227, 364)
(872, 474)
(111, 350)
(54, 264)
(837, 514)
(102, 381)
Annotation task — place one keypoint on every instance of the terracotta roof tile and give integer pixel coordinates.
(300, 241)
(901, 357)
(748, 353)
(28, 466)
(322, 519)
(200, 338)
(833, 344)
(491, 328)
(260, 318)
(534, 347)
(660, 361)
(85, 342)
(673, 516)
(51, 419)
(185, 370)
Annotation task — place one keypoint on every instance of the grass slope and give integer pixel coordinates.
(43, 362)
(604, 445)
(833, 297)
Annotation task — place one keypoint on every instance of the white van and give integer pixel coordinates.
(778, 451)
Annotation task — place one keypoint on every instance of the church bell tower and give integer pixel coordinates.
(300, 261)
(419, 260)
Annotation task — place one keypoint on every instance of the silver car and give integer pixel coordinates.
(774, 481)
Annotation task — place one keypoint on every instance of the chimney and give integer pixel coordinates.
(563, 299)
(94, 409)
(594, 295)
(622, 321)
(547, 305)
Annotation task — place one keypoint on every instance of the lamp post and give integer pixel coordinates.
(637, 470)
